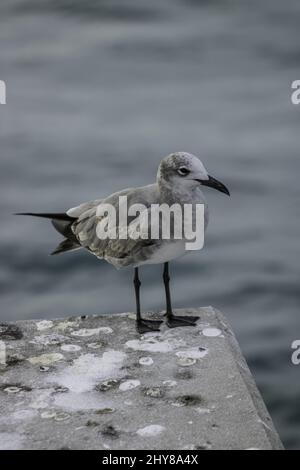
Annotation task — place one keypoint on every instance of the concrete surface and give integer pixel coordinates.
(94, 383)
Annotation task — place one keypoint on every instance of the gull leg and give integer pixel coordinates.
(174, 321)
(143, 326)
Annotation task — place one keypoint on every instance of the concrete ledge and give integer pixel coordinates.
(94, 383)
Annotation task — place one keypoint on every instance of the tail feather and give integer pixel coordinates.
(62, 223)
(46, 215)
(65, 245)
(64, 228)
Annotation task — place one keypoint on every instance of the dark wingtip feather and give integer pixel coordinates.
(55, 252)
(65, 245)
(23, 213)
(45, 215)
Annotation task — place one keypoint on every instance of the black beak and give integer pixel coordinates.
(213, 183)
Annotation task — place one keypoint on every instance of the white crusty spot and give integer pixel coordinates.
(64, 325)
(48, 414)
(154, 344)
(146, 361)
(132, 316)
(203, 411)
(44, 325)
(56, 415)
(169, 383)
(177, 404)
(12, 389)
(87, 369)
(186, 361)
(94, 345)
(92, 331)
(129, 385)
(70, 347)
(48, 340)
(62, 416)
(151, 430)
(45, 359)
(193, 353)
(211, 332)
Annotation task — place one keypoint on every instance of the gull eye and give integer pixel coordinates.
(183, 171)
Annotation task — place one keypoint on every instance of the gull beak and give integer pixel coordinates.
(213, 183)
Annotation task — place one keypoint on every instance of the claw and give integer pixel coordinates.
(174, 321)
(155, 323)
(146, 326)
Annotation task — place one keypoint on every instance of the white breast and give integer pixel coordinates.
(166, 252)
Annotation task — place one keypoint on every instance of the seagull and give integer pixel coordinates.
(180, 179)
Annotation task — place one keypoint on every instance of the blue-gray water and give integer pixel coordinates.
(98, 92)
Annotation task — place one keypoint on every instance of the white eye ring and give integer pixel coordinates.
(183, 171)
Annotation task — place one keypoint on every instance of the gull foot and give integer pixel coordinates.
(146, 326)
(175, 321)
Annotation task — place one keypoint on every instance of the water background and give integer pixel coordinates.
(98, 92)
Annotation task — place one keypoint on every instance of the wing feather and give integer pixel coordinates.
(117, 251)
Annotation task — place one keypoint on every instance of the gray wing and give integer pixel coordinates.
(119, 252)
(82, 208)
(84, 228)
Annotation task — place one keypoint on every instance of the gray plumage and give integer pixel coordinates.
(179, 180)
(169, 189)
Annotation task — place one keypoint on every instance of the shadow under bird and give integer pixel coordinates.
(180, 178)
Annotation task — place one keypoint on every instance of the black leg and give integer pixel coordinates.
(166, 278)
(143, 326)
(174, 320)
(137, 286)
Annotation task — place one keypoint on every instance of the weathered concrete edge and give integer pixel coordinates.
(241, 364)
(250, 384)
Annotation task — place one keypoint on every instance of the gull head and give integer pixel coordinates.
(187, 171)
